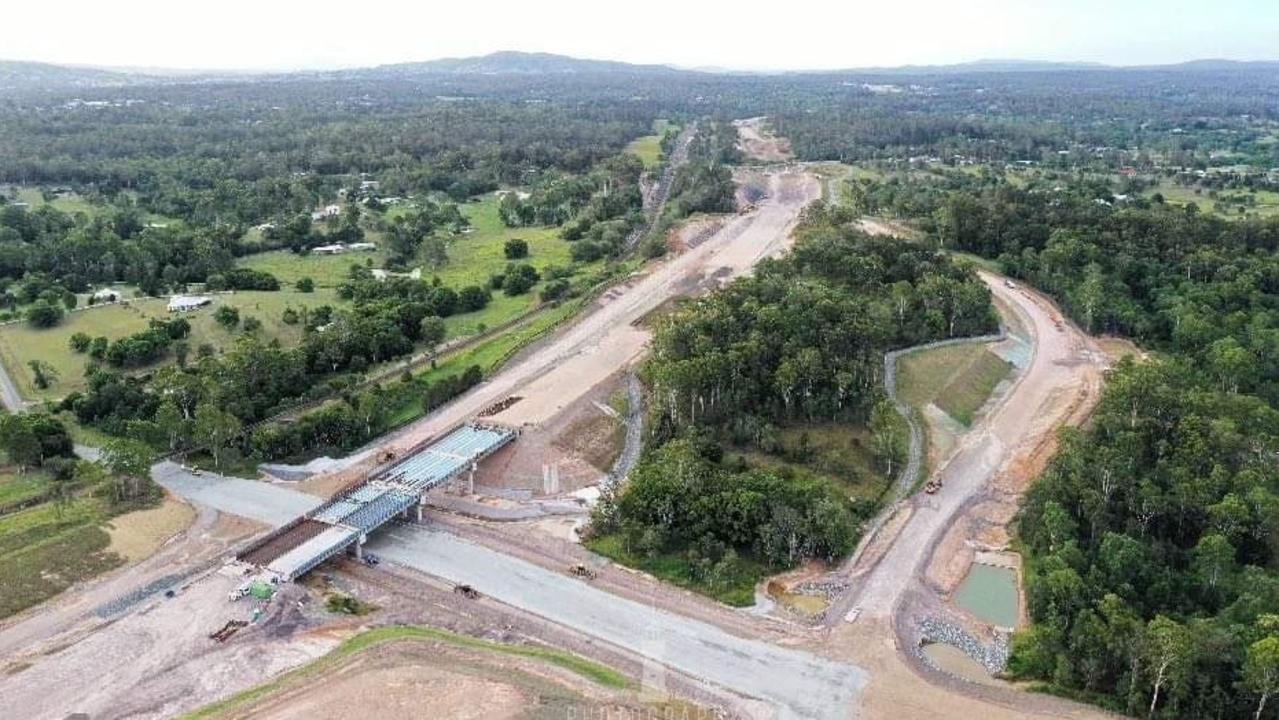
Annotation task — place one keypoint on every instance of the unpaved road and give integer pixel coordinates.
(891, 578)
(759, 144)
(801, 685)
(607, 339)
(1065, 362)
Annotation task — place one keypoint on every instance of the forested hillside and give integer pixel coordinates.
(1152, 538)
(795, 347)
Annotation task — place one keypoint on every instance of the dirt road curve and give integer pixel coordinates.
(606, 340)
(1064, 361)
(1003, 451)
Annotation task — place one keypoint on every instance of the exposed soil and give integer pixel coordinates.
(759, 143)
(417, 678)
(138, 535)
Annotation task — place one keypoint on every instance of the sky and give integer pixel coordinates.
(749, 34)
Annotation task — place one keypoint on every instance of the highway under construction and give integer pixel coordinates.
(393, 490)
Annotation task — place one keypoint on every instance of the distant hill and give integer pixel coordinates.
(979, 66)
(1220, 65)
(32, 76)
(18, 77)
(517, 63)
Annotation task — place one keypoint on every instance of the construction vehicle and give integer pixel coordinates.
(467, 592)
(239, 592)
(231, 628)
(582, 571)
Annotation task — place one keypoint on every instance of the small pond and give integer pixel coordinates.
(990, 594)
(953, 660)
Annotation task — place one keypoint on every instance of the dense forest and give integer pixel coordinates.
(1151, 539)
(798, 343)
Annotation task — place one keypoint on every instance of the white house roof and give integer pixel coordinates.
(186, 302)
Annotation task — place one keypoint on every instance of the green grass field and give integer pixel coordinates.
(328, 271)
(1267, 203)
(16, 489)
(46, 549)
(20, 343)
(72, 203)
(648, 148)
(958, 379)
(473, 259)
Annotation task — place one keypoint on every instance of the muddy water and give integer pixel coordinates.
(954, 661)
(990, 594)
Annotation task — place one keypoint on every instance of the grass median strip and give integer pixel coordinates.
(380, 636)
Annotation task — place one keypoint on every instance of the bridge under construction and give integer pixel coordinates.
(345, 521)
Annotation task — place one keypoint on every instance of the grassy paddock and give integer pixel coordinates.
(72, 203)
(47, 548)
(16, 489)
(20, 343)
(365, 641)
(648, 148)
(473, 259)
(327, 271)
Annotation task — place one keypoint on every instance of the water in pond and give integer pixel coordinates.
(954, 661)
(990, 593)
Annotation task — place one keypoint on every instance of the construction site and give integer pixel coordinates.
(443, 561)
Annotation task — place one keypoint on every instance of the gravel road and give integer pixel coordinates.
(799, 684)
